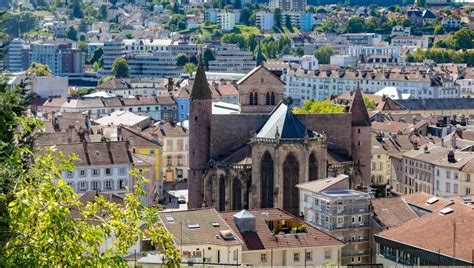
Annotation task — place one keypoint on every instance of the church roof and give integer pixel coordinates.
(200, 89)
(283, 121)
(240, 156)
(255, 70)
(360, 116)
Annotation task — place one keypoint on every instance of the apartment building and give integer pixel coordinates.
(363, 39)
(230, 59)
(376, 55)
(411, 41)
(264, 21)
(287, 4)
(321, 84)
(103, 167)
(16, 57)
(174, 155)
(272, 237)
(331, 206)
(60, 56)
(145, 87)
(227, 20)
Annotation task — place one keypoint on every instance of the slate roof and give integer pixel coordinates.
(360, 117)
(285, 122)
(443, 234)
(97, 153)
(240, 156)
(166, 130)
(263, 238)
(201, 89)
(436, 104)
(391, 212)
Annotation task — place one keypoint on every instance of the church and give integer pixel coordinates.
(254, 158)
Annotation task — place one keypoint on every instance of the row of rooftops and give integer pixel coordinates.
(108, 102)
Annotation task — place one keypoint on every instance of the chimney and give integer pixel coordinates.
(70, 136)
(170, 84)
(426, 150)
(453, 141)
(119, 133)
(379, 136)
(415, 144)
(87, 122)
(451, 158)
(442, 142)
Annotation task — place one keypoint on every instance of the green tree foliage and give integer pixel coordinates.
(71, 33)
(312, 106)
(233, 38)
(104, 79)
(181, 59)
(97, 56)
(177, 23)
(421, 3)
(77, 9)
(355, 25)
(79, 92)
(129, 35)
(103, 12)
(45, 235)
(440, 55)
(462, 39)
(245, 15)
(277, 16)
(288, 23)
(39, 69)
(189, 68)
(370, 104)
(298, 51)
(207, 56)
(20, 23)
(120, 68)
(324, 54)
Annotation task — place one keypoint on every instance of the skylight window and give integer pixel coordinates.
(446, 211)
(193, 225)
(169, 218)
(432, 200)
(215, 224)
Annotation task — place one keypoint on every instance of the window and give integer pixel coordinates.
(83, 186)
(95, 185)
(359, 218)
(180, 160)
(82, 172)
(108, 184)
(448, 174)
(340, 221)
(71, 184)
(169, 160)
(327, 253)
(253, 98)
(69, 174)
(263, 257)
(308, 255)
(108, 171)
(152, 152)
(468, 178)
(455, 188)
(448, 187)
(296, 256)
(437, 185)
(468, 191)
(122, 184)
(122, 171)
(95, 172)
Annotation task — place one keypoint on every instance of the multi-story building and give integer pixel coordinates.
(145, 87)
(399, 30)
(302, 20)
(158, 64)
(60, 29)
(16, 58)
(60, 57)
(264, 21)
(382, 55)
(175, 141)
(210, 15)
(112, 49)
(287, 4)
(410, 41)
(227, 20)
(321, 84)
(272, 237)
(363, 39)
(230, 59)
(102, 166)
(331, 206)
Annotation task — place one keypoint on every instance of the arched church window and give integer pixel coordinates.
(268, 99)
(236, 194)
(272, 98)
(312, 167)
(253, 98)
(291, 169)
(221, 193)
(266, 181)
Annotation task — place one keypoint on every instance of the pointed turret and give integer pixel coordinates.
(360, 116)
(200, 89)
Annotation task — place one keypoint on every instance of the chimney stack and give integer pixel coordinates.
(453, 141)
(70, 136)
(451, 158)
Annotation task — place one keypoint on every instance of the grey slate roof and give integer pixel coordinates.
(200, 89)
(436, 104)
(360, 116)
(287, 125)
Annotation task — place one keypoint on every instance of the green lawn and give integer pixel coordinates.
(248, 30)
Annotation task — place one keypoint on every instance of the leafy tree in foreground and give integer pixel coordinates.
(46, 235)
(39, 69)
(312, 106)
(120, 68)
(181, 59)
(324, 54)
(189, 68)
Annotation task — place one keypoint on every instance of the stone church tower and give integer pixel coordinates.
(361, 141)
(199, 136)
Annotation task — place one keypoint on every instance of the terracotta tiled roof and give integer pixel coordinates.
(392, 127)
(166, 130)
(391, 212)
(449, 234)
(263, 238)
(419, 200)
(176, 223)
